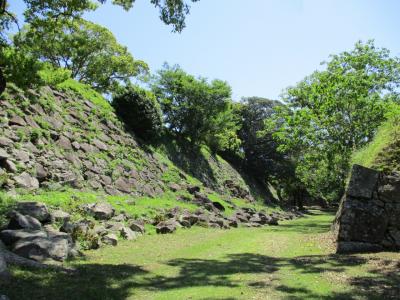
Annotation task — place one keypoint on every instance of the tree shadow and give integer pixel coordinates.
(100, 281)
(90, 281)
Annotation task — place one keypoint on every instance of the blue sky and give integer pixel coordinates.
(259, 46)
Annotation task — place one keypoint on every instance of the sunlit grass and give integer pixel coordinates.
(294, 261)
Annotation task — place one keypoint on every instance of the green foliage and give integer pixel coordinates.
(139, 110)
(6, 204)
(89, 51)
(261, 155)
(196, 109)
(172, 12)
(86, 92)
(333, 112)
(53, 76)
(20, 68)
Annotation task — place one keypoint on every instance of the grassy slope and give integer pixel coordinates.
(383, 152)
(292, 261)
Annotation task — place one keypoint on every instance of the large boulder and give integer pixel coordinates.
(37, 210)
(43, 248)
(9, 236)
(20, 221)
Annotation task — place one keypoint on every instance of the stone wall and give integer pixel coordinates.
(50, 139)
(369, 214)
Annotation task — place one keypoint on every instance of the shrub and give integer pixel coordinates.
(139, 110)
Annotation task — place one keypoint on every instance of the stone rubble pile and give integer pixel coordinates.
(36, 232)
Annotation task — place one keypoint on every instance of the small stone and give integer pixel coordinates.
(5, 142)
(60, 216)
(192, 189)
(123, 185)
(101, 211)
(76, 145)
(100, 145)
(17, 120)
(165, 227)
(136, 226)
(110, 239)
(25, 180)
(22, 156)
(3, 154)
(128, 234)
(174, 187)
(64, 143)
(9, 166)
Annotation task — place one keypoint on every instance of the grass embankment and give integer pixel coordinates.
(383, 153)
(292, 261)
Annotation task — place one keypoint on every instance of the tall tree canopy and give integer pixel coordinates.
(194, 108)
(335, 111)
(88, 50)
(172, 12)
(260, 151)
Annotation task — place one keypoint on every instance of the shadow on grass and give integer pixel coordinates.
(91, 281)
(96, 281)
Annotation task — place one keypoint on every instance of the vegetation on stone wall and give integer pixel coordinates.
(140, 111)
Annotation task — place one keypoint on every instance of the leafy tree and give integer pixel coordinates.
(172, 12)
(195, 109)
(88, 50)
(259, 151)
(140, 110)
(333, 112)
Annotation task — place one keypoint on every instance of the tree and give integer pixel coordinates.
(172, 12)
(88, 50)
(139, 110)
(334, 111)
(259, 150)
(193, 108)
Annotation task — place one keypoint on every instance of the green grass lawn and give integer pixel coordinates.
(292, 261)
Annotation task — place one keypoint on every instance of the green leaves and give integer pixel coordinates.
(333, 112)
(194, 108)
(88, 50)
(140, 110)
